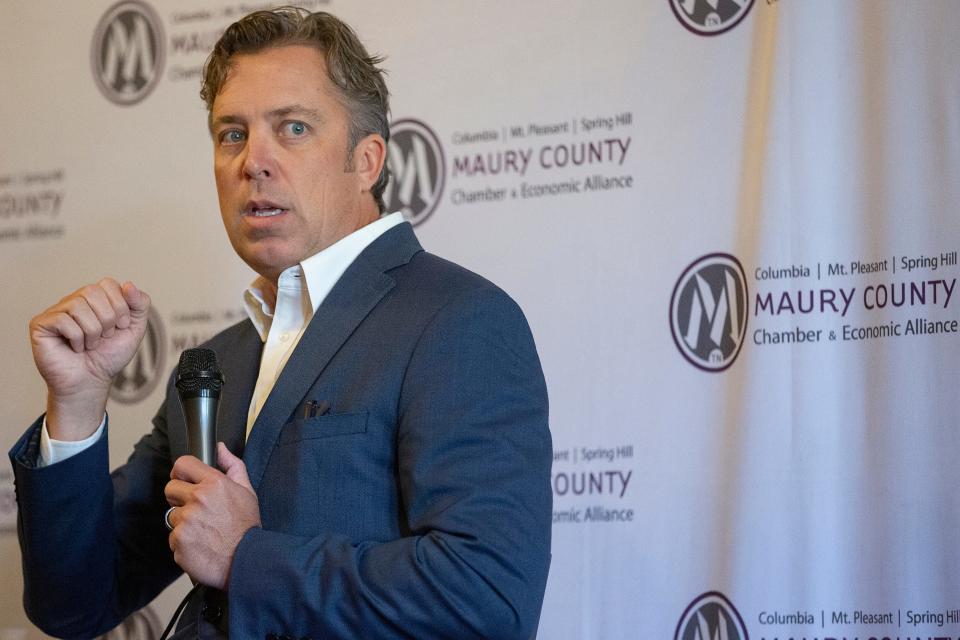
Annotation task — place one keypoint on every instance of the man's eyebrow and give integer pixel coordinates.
(213, 123)
(297, 110)
(281, 112)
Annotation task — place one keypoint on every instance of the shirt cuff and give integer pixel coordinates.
(54, 451)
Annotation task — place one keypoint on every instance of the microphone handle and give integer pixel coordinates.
(201, 417)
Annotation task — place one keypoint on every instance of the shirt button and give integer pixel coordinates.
(284, 337)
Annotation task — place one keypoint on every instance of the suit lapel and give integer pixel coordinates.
(240, 369)
(358, 291)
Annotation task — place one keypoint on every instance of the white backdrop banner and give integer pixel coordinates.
(732, 225)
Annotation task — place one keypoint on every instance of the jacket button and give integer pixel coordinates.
(211, 613)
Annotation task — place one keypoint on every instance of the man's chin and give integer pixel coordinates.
(270, 266)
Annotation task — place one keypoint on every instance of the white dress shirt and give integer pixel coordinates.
(280, 328)
(280, 317)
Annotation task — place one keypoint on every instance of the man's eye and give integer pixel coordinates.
(232, 136)
(296, 128)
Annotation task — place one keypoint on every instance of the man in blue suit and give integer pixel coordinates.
(384, 471)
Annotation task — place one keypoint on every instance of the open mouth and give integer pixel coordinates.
(263, 209)
(266, 213)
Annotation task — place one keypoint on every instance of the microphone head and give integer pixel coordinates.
(199, 373)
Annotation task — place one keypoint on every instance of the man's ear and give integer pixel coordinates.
(368, 158)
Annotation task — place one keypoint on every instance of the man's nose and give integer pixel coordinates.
(260, 161)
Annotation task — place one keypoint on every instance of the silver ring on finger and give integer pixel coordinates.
(166, 518)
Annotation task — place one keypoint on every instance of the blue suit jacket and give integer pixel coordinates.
(418, 507)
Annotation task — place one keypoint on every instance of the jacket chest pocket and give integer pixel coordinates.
(325, 426)
(304, 463)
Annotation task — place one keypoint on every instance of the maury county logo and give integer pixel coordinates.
(140, 377)
(127, 52)
(710, 17)
(418, 170)
(711, 617)
(708, 311)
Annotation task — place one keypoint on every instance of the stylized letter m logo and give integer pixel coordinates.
(719, 629)
(411, 170)
(690, 5)
(417, 170)
(711, 617)
(129, 54)
(718, 311)
(711, 17)
(708, 311)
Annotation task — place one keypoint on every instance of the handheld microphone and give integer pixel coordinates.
(199, 382)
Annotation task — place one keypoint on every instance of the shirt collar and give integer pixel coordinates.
(321, 272)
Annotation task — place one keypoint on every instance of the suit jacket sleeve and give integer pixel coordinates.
(93, 545)
(474, 454)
